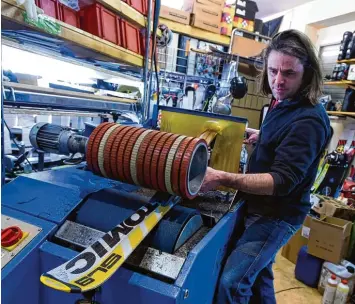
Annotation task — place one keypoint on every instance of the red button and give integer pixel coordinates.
(10, 236)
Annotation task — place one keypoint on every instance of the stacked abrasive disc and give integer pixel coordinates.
(158, 160)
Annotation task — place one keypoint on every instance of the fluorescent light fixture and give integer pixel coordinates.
(53, 70)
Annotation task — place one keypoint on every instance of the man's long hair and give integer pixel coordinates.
(297, 44)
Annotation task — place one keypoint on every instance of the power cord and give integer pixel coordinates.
(299, 287)
(13, 139)
(157, 79)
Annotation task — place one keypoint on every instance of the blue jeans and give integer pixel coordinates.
(247, 274)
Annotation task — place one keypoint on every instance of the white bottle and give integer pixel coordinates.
(329, 293)
(341, 294)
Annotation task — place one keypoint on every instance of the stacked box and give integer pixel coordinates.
(206, 14)
(245, 11)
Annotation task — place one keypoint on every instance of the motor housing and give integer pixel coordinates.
(57, 139)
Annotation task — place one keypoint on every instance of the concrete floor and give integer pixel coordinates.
(288, 289)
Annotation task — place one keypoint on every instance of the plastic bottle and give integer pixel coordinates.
(329, 293)
(341, 294)
(345, 270)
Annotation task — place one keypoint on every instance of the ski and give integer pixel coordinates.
(98, 262)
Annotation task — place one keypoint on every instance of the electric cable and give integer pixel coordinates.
(13, 139)
(157, 78)
(71, 157)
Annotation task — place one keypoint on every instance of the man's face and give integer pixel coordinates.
(285, 75)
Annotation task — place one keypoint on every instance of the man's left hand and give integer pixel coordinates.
(212, 180)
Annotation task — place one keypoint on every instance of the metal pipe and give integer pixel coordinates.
(146, 74)
(232, 41)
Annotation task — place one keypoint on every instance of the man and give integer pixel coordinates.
(281, 170)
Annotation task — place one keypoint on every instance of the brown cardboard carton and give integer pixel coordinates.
(291, 249)
(175, 15)
(329, 238)
(331, 207)
(205, 13)
(247, 47)
(204, 23)
(215, 3)
(188, 5)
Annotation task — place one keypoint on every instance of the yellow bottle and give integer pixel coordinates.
(342, 292)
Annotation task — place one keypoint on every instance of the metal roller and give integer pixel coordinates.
(161, 161)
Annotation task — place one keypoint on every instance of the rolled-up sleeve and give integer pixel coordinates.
(299, 148)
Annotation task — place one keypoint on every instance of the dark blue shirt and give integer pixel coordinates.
(292, 139)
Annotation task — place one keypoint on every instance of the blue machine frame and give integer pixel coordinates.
(46, 199)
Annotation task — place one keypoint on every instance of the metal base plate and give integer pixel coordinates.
(7, 221)
(148, 259)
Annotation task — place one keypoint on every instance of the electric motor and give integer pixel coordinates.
(57, 139)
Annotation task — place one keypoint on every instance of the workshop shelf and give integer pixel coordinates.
(340, 83)
(339, 113)
(85, 44)
(194, 32)
(348, 61)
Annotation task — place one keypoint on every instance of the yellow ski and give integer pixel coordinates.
(98, 262)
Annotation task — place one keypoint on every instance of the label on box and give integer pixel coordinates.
(306, 231)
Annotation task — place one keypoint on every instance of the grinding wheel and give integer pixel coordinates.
(175, 229)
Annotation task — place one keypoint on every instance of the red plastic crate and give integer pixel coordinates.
(69, 15)
(101, 22)
(137, 5)
(50, 7)
(131, 37)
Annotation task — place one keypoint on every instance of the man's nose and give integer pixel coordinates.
(279, 78)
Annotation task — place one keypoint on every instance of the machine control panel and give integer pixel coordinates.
(15, 235)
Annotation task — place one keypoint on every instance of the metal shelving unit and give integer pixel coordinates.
(344, 83)
(81, 43)
(197, 33)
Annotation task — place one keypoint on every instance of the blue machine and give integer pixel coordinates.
(180, 262)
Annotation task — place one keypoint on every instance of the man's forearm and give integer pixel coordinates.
(259, 184)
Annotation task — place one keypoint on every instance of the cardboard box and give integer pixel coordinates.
(246, 9)
(291, 249)
(207, 13)
(175, 15)
(329, 238)
(244, 24)
(247, 47)
(205, 23)
(330, 207)
(227, 20)
(188, 5)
